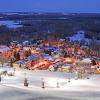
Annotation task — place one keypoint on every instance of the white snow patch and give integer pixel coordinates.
(10, 24)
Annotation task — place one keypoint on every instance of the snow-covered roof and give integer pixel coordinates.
(4, 49)
(33, 57)
(22, 61)
(85, 60)
(19, 45)
(67, 65)
(46, 56)
(26, 42)
(48, 48)
(29, 59)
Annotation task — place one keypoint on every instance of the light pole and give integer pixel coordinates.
(42, 83)
(26, 81)
(77, 75)
(14, 71)
(69, 77)
(58, 84)
(0, 78)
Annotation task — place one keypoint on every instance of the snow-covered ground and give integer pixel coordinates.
(12, 87)
(80, 35)
(10, 24)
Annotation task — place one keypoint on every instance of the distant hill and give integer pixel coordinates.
(29, 26)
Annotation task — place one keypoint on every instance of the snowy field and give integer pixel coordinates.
(12, 88)
(10, 24)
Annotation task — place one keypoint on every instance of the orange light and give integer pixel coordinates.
(69, 61)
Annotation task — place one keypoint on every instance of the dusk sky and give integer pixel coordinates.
(92, 6)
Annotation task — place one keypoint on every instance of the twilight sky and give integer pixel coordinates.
(92, 6)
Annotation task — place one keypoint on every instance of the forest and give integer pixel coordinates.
(48, 25)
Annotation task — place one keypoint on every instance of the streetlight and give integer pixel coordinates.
(26, 81)
(58, 84)
(77, 75)
(14, 71)
(69, 77)
(0, 78)
(43, 84)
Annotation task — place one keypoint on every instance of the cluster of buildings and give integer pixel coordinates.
(53, 55)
